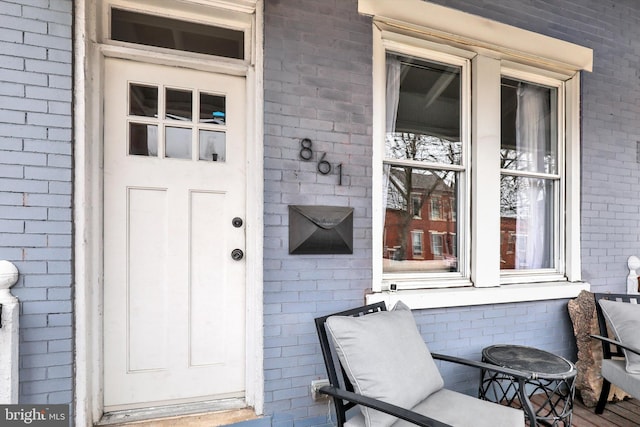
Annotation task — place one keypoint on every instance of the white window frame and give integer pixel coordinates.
(434, 235)
(239, 17)
(437, 202)
(421, 29)
(534, 75)
(420, 235)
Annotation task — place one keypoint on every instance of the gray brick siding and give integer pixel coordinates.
(35, 188)
(318, 86)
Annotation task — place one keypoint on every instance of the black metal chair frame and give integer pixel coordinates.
(610, 347)
(342, 391)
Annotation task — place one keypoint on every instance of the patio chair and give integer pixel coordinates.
(384, 368)
(620, 356)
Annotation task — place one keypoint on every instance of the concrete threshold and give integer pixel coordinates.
(211, 419)
(197, 414)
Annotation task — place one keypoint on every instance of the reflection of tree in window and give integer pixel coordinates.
(422, 144)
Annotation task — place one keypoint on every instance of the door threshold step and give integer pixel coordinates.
(208, 419)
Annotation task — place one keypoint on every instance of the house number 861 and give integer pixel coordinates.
(324, 167)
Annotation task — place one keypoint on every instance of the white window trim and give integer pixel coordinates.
(456, 28)
(199, 12)
(385, 41)
(409, 26)
(468, 296)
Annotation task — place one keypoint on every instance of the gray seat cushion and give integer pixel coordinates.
(459, 410)
(614, 371)
(385, 358)
(624, 319)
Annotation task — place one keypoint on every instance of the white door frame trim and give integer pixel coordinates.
(88, 191)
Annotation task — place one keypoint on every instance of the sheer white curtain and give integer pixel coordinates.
(531, 140)
(391, 108)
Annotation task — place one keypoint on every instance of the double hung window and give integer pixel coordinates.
(423, 154)
(427, 152)
(530, 175)
(474, 155)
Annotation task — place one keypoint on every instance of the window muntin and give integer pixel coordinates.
(183, 124)
(423, 156)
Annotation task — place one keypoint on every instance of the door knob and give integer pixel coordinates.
(237, 254)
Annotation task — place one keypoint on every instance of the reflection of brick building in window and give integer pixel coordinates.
(508, 243)
(428, 231)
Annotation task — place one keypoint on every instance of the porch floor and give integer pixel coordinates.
(625, 413)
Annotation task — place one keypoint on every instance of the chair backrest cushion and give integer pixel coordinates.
(624, 319)
(385, 358)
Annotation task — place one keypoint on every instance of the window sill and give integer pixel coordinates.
(462, 297)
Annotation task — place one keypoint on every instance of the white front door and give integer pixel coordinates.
(174, 211)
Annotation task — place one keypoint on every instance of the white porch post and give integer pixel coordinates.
(8, 335)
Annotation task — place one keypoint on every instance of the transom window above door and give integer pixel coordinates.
(176, 123)
(151, 30)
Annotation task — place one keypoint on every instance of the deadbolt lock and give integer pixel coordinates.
(237, 254)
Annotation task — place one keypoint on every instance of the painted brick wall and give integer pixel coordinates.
(35, 188)
(317, 85)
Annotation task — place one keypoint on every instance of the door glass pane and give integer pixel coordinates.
(143, 100)
(178, 143)
(212, 109)
(526, 223)
(529, 127)
(171, 33)
(179, 105)
(422, 111)
(143, 139)
(212, 146)
(407, 187)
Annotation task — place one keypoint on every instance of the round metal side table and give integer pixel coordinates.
(553, 379)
